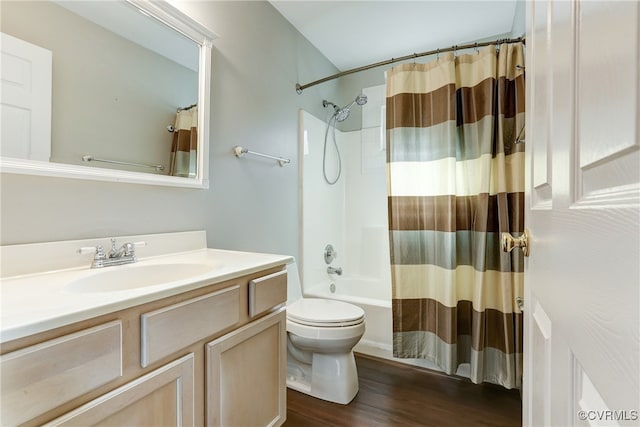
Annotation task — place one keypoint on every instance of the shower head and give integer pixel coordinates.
(361, 99)
(342, 114)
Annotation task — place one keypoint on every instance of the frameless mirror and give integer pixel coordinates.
(105, 90)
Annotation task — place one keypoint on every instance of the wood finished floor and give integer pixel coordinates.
(396, 395)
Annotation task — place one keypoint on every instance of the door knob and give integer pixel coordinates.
(520, 303)
(509, 242)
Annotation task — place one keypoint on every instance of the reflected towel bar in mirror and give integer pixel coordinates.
(241, 151)
(90, 158)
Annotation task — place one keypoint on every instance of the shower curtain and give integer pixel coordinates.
(455, 181)
(185, 143)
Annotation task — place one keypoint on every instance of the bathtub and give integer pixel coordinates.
(374, 298)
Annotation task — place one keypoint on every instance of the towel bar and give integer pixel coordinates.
(90, 158)
(241, 151)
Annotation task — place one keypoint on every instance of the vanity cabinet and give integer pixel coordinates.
(215, 355)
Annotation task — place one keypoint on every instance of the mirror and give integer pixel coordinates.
(129, 92)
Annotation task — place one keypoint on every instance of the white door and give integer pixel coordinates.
(25, 100)
(582, 299)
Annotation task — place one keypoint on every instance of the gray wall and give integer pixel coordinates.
(519, 20)
(252, 203)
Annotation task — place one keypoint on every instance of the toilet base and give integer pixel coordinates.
(332, 377)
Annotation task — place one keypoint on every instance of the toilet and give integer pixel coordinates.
(321, 334)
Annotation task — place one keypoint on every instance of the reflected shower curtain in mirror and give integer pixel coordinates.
(455, 181)
(185, 143)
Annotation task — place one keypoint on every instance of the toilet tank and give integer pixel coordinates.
(294, 288)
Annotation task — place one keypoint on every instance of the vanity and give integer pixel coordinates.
(184, 336)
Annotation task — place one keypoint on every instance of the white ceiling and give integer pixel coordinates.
(356, 33)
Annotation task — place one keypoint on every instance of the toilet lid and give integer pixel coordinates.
(324, 312)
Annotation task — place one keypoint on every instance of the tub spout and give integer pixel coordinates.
(337, 271)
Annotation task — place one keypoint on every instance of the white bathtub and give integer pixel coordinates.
(374, 298)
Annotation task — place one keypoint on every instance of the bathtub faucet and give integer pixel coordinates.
(337, 271)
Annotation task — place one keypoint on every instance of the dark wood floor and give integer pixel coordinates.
(396, 395)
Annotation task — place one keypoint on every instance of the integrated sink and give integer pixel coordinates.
(124, 278)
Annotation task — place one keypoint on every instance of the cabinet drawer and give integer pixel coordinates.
(39, 378)
(177, 326)
(266, 292)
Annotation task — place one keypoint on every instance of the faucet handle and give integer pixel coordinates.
(98, 250)
(87, 250)
(130, 248)
(100, 254)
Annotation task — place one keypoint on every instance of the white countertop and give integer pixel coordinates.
(39, 302)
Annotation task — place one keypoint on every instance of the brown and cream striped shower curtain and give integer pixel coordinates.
(455, 183)
(184, 147)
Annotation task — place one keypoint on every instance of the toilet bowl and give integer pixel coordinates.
(321, 334)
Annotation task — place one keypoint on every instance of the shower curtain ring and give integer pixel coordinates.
(476, 48)
(438, 54)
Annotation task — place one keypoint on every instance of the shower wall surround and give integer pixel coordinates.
(366, 190)
(352, 214)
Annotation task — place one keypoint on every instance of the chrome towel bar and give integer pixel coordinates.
(241, 151)
(90, 158)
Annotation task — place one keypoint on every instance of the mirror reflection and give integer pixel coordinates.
(123, 87)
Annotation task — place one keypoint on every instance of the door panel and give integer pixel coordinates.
(607, 71)
(582, 327)
(540, 107)
(540, 362)
(25, 103)
(607, 138)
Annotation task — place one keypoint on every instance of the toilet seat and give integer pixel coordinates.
(324, 313)
(319, 334)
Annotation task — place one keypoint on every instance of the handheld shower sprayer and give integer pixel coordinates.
(339, 115)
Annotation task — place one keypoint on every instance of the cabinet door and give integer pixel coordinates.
(246, 384)
(163, 397)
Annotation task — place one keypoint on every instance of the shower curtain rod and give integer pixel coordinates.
(300, 88)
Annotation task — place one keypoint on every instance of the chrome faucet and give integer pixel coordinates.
(126, 254)
(126, 250)
(332, 270)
